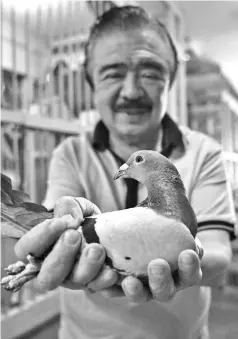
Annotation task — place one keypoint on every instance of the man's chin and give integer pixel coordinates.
(138, 118)
(132, 129)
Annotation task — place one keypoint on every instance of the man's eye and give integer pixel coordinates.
(150, 76)
(113, 75)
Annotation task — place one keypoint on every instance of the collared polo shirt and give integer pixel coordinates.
(85, 165)
(80, 168)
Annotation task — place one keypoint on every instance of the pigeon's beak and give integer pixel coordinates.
(121, 172)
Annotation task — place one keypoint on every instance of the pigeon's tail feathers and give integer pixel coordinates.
(10, 228)
(16, 221)
(18, 215)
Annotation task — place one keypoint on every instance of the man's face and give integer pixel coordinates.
(131, 72)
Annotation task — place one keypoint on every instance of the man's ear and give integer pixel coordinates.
(89, 79)
(87, 73)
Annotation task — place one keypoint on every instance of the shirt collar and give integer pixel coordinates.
(172, 137)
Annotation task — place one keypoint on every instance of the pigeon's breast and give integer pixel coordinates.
(134, 237)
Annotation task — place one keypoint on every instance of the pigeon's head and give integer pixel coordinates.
(143, 165)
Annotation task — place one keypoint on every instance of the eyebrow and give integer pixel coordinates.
(108, 67)
(151, 63)
(143, 62)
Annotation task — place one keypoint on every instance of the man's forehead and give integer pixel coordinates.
(133, 45)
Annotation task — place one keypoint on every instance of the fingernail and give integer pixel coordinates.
(187, 260)
(133, 288)
(94, 253)
(157, 271)
(200, 252)
(110, 275)
(71, 237)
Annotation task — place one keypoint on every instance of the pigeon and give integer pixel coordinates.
(161, 226)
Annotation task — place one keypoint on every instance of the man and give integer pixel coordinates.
(131, 63)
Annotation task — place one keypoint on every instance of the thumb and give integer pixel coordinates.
(87, 207)
(78, 208)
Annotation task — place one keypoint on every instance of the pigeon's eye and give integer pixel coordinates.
(139, 159)
(128, 258)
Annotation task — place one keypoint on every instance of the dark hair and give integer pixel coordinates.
(124, 18)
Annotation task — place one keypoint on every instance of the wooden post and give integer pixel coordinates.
(71, 53)
(28, 88)
(15, 92)
(60, 73)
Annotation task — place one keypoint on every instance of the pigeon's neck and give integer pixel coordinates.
(164, 192)
(166, 195)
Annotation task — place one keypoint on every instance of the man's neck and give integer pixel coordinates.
(124, 147)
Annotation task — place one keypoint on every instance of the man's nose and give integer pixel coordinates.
(131, 88)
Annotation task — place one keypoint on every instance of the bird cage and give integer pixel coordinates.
(44, 89)
(40, 80)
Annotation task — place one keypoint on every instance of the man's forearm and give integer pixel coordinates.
(217, 256)
(215, 265)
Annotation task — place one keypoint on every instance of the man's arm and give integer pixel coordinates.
(217, 256)
(211, 199)
(213, 205)
(64, 177)
(59, 237)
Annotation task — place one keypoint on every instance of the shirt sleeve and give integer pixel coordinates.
(212, 198)
(64, 177)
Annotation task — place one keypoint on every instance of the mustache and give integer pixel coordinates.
(133, 104)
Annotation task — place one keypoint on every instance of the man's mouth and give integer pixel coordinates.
(133, 116)
(134, 111)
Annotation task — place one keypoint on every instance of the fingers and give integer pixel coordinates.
(40, 238)
(61, 246)
(87, 268)
(78, 208)
(58, 263)
(189, 269)
(131, 288)
(160, 280)
(106, 278)
(134, 290)
(113, 292)
(68, 206)
(200, 249)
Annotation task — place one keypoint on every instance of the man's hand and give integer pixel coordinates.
(58, 241)
(163, 285)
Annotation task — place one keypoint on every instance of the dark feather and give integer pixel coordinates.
(6, 184)
(6, 198)
(20, 197)
(89, 232)
(18, 214)
(90, 235)
(10, 227)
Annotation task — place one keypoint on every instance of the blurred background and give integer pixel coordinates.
(45, 99)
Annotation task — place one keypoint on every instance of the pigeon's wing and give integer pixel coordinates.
(18, 215)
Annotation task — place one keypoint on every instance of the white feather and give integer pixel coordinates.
(142, 235)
